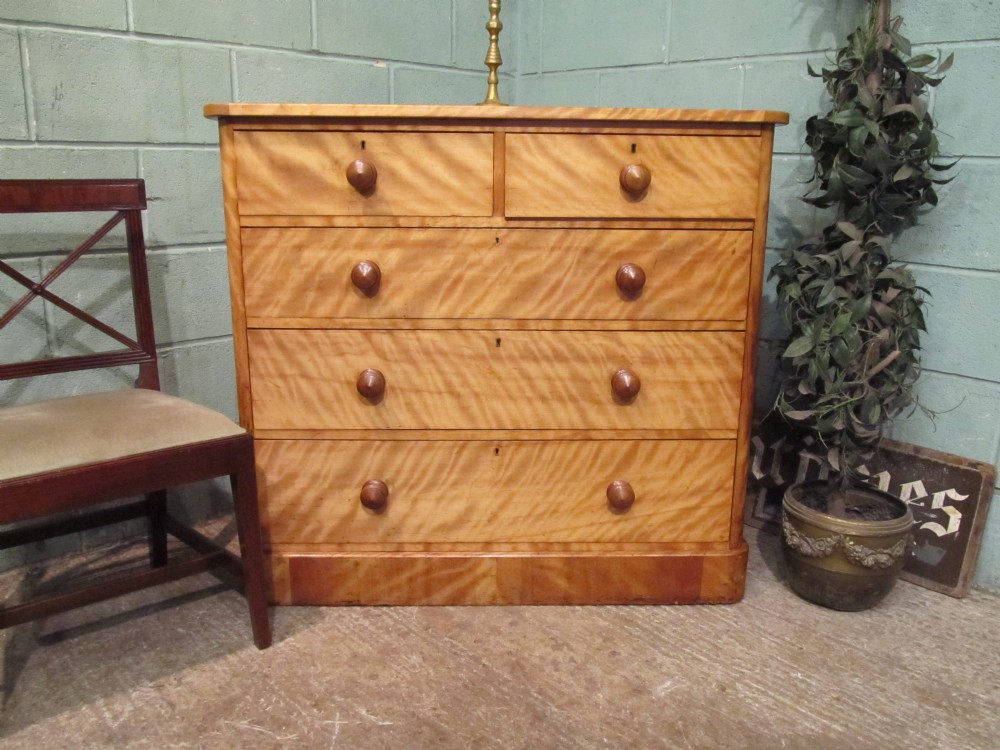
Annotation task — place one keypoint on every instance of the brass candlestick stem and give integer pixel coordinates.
(493, 59)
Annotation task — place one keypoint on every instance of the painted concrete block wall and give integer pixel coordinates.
(752, 54)
(115, 88)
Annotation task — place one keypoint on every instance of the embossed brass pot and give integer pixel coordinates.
(843, 548)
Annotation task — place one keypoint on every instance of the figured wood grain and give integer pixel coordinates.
(420, 174)
(722, 575)
(290, 124)
(498, 326)
(452, 114)
(513, 324)
(551, 578)
(496, 222)
(693, 177)
(543, 434)
(754, 293)
(481, 273)
(494, 379)
(505, 491)
(234, 258)
(292, 549)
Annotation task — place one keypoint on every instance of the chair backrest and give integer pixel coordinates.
(127, 199)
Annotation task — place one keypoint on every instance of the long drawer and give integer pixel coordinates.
(545, 274)
(494, 379)
(495, 492)
(577, 175)
(296, 173)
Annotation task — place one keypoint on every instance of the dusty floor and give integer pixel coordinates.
(175, 668)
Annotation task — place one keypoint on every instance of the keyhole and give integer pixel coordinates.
(633, 148)
(363, 146)
(496, 451)
(498, 342)
(498, 240)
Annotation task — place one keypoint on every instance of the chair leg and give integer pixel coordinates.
(244, 483)
(156, 515)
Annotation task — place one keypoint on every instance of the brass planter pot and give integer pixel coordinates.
(843, 551)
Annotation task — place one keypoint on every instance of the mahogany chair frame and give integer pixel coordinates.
(28, 503)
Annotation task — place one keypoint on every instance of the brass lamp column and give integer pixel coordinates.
(493, 59)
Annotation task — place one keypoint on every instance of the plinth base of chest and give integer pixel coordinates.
(440, 578)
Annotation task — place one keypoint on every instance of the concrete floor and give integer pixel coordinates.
(175, 668)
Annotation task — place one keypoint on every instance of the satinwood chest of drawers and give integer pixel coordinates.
(497, 355)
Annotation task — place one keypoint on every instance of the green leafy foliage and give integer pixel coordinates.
(854, 315)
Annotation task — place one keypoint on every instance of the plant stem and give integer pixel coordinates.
(886, 361)
(880, 33)
(882, 24)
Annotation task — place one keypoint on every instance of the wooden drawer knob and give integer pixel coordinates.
(371, 384)
(621, 496)
(362, 175)
(625, 384)
(367, 276)
(375, 495)
(634, 179)
(630, 279)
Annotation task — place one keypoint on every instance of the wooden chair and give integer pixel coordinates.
(73, 453)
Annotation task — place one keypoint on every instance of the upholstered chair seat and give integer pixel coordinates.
(76, 430)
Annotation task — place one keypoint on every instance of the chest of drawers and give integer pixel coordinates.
(497, 355)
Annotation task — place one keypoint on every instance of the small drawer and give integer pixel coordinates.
(525, 274)
(296, 173)
(495, 492)
(580, 176)
(494, 379)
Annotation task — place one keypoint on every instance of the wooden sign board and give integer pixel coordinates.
(948, 495)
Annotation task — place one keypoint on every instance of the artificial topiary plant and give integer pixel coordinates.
(854, 315)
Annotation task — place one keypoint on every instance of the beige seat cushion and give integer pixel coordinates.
(76, 430)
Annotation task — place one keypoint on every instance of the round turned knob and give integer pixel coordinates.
(371, 384)
(634, 179)
(630, 279)
(375, 495)
(366, 276)
(620, 496)
(625, 384)
(362, 175)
